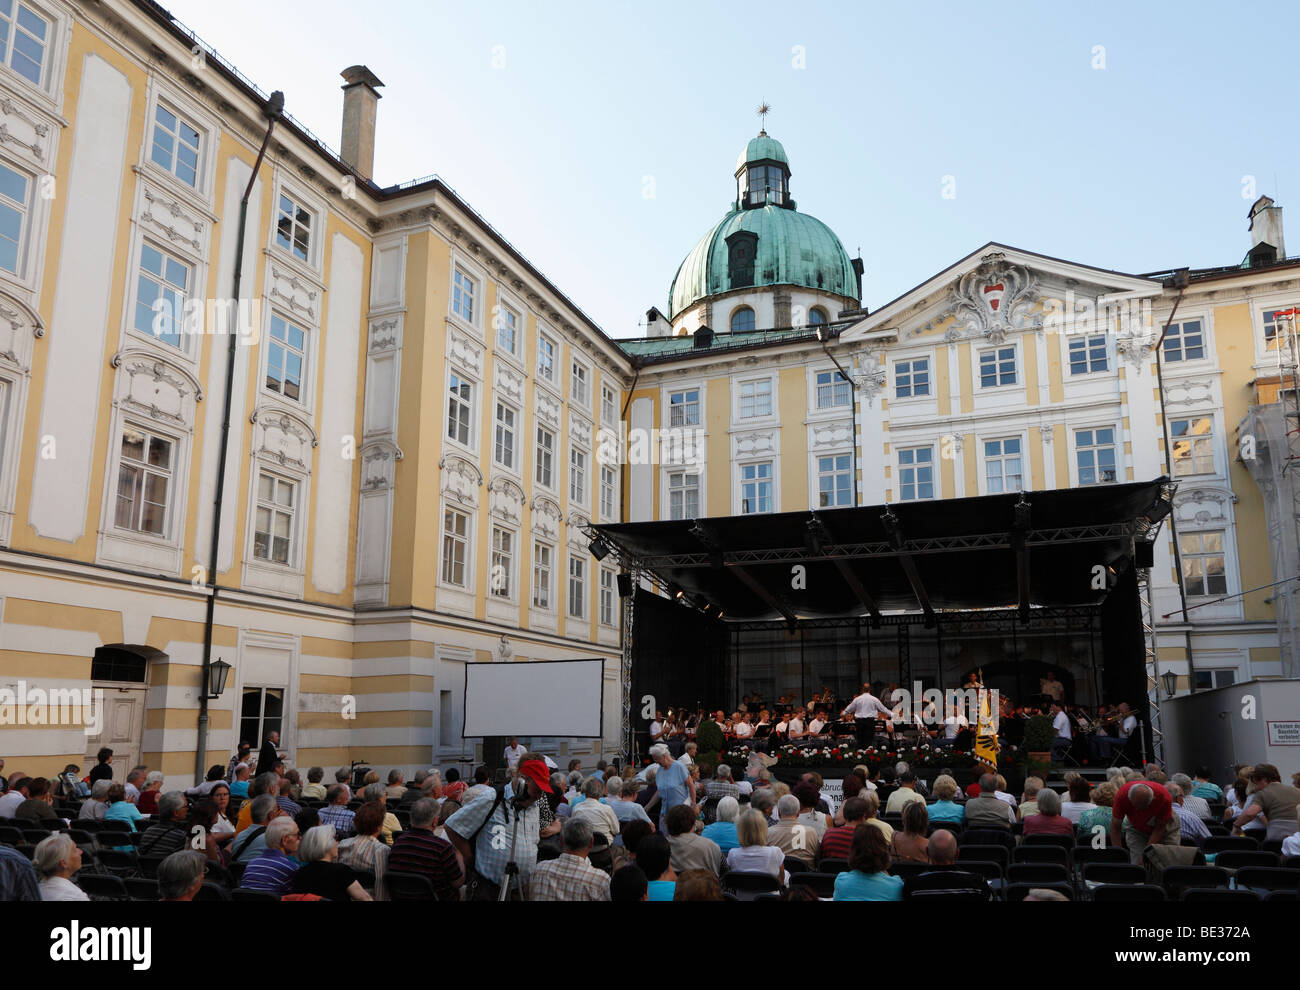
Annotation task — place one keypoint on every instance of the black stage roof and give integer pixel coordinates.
(1020, 550)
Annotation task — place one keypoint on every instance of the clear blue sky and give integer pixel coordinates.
(1136, 166)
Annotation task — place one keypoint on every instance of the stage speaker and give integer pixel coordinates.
(1144, 555)
(624, 584)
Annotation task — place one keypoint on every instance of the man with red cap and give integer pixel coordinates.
(484, 831)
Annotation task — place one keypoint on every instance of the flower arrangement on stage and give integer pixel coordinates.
(850, 756)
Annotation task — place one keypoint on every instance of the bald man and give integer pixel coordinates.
(942, 848)
(1141, 816)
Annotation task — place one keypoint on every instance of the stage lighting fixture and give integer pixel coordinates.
(676, 591)
(599, 548)
(1159, 509)
(624, 580)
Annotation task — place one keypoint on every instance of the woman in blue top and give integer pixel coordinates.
(655, 859)
(866, 879)
(723, 831)
(122, 810)
(945, 809)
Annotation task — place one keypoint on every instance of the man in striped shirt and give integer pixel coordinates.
(337, 813)
(418, 850)
(571, 877)
(273, 870)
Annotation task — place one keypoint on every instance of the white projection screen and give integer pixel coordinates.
(535, 698)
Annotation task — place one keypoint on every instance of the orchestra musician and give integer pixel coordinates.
(1123, 723)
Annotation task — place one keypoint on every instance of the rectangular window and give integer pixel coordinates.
(834, 481)
(1094, 453)
(446, 727)
(1185, 341)
(1207, 679)
(261, 711)
(176, 148)
(293, 228)
(832, 390)
(286, 354)
(1002, 468)
(756, 398)
(13, 218)
(541, 575)
(507, 329)
(912, 378)
(460, 409)
(683, 495)
(462, 296)
(143, 481)
(606, 597)
(545, 457)
(1193, 441)
(546, 358)
(1087, 354)
(997, 367)
(577, 477)
(608, 404)
(756, 487)
(684, 408)
(915, 473)
(581, 391)
(503, 562)
(273, 534)
(503, 448)
(22, 40)
(1203, 568)
(608, 491)
(577, 587)
(455, 546)
(160, 298)
(1279, 326)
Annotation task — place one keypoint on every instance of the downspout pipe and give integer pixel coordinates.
(273, 109)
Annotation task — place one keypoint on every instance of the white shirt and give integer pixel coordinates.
(132, 793)
(780, 727)
(10, 802)
(656, 730)
(796, 728)
(686, 758)
(1128, 725)
(953, 724)
(744, 730)
(1008, 798)
(816, 726)
(1062, 725)
(512, 754)
(867, 705)
(61, 889)
(1291, 845)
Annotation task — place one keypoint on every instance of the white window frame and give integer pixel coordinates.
(835, 386)
(834, 473)
(578, 472)
(676, 483)
(916, 467)
(22, 259)
(606, 612)
(1197, 440)
(450, 538)
(741, 497)
(452, 402)
(1200, 554)
(313, 226)
(608, 404)
(465, 284)
(580, 384)
(304, 401)
(1267, 347)
(577, 578)
(671, 406)
(1089, 342)
(984, 459)
(294, 555)
(549, 485)
(501, 582)
(1174, 334)
(51, 39)
(912, 372)
(184, 348)
(182, 117)
(169, 507)
(543, 575)
(755, 416)
(545, 341)
(1115, 445)
(997, 360)
(608, 491)
(500, 323)
(500, 431)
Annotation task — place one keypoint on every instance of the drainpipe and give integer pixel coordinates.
(1180, 282)
(853, 391)
(273, 109)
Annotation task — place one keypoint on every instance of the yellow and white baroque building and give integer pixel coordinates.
(417, 413)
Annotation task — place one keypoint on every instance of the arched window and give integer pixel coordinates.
(119, 663)
(816, 316)
(742, 320)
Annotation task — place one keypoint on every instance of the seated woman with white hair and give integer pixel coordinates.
(723, 831)
(56, 859)
(753, 854)
(320, 873)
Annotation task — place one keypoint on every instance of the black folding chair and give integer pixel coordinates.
(959, 895)
(984, 836)
(1106, 854)
(821, 884)
(1201, 894)
(211, 892)
(121, 864)
(1236, 859)
(1041, 854)
(253, 896)
(1018, 891)
(1282, 895)
(1131, 892)
(103, 887)
(985, 854)
(746, 885)
(830, 866)
(956, 878)
(1221, 843)
(408, 886)
(1267, 878)
(1113, 873)
(1176, 879)
(141, 889)
(1037, 874)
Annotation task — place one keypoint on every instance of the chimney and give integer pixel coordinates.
(1266, 244)
(360, 102)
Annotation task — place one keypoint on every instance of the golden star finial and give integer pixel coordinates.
(763, 110)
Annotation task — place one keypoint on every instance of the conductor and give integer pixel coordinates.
(863, 710)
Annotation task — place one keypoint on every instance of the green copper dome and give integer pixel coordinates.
(761, 149)
(791, 248)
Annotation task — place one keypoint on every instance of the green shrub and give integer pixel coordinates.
(1039, 735)
(709, 738)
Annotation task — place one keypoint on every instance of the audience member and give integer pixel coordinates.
(866, 878)
(570, 876)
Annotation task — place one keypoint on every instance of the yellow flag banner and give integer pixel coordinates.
(986, 737)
